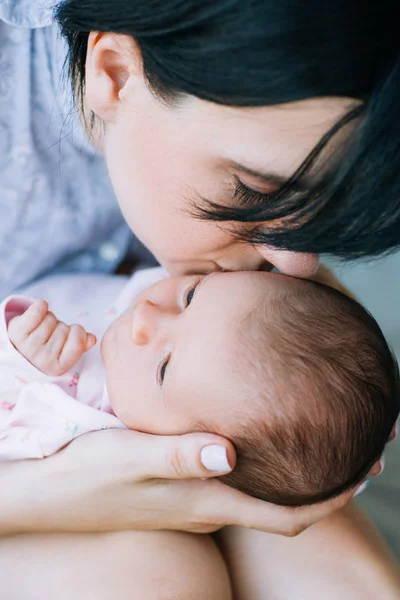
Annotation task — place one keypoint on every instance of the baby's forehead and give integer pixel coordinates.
(252, 290)
(236, 300)
(256, 281)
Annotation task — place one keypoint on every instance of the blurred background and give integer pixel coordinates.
(377, 286)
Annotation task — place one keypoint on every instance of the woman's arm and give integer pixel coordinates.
(119, 480)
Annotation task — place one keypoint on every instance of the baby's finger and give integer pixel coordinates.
(74, 347)
(57, 340)
(90, 341)
(20, 327)
(41, 334)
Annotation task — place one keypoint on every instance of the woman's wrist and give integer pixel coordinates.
(30, 496)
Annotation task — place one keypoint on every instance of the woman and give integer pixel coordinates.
(237, 135)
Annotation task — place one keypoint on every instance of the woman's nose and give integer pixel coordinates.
(296, 264)
(144, 322)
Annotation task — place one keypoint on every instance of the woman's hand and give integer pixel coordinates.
(325, 276)
(119, 480)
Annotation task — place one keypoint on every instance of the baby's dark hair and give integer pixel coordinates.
(332, 397)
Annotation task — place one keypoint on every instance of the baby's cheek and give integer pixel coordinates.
(120, 405)
(108, 347)
(131, 400)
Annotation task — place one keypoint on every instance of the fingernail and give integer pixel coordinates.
(383, 462)
(393, 433)
(361, 488)
(214, 458)
(90, 340)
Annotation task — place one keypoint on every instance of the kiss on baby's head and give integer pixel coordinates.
(296, 374)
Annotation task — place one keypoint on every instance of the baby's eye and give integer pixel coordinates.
(162, 371)
(190, 294)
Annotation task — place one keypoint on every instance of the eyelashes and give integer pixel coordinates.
(162, 371)
(246, 196)
(190, 294)
(188, 298)
(249, 197)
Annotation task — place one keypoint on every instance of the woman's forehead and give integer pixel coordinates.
(266, 140)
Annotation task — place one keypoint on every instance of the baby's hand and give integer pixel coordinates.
(50, 345)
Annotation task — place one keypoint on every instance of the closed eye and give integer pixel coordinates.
(249, 197)
(162, 371)
(190, 294)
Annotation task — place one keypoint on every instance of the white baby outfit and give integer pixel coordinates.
(41, 414)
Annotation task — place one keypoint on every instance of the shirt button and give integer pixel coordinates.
(109, 251)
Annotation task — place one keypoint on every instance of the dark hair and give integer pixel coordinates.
(264, 52)
(331, 397)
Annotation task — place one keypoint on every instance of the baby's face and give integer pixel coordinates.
(175, 359)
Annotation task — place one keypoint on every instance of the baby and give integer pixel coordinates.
(296, 374)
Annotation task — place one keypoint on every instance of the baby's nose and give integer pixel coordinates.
(144, 322)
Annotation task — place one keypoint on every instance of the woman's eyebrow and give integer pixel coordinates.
(279, 181)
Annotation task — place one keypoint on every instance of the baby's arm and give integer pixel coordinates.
(49, 344)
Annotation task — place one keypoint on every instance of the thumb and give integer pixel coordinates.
(193, 455)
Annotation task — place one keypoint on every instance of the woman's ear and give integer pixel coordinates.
(113, 61)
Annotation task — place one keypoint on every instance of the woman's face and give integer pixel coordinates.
(165, 160)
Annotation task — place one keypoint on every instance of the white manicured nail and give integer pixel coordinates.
(361, 488)
(214, 458)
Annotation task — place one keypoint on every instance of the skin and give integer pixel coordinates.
(176, 316)
(157, 156)
(341, 557)
(50, 345)
(162, 565)
(180, 334)
(160, 158)
(185, 328)
(164, 160)
(180, 338)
